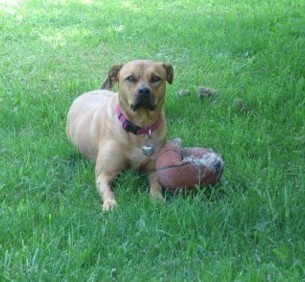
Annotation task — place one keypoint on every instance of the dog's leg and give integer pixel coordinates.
(155, 187)
(103, 186)
(108, 165)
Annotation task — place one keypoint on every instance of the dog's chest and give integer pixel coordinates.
(142, 153)
(138, 158)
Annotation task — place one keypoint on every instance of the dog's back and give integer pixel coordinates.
(79, 121)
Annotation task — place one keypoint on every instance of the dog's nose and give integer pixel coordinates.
(144, 90)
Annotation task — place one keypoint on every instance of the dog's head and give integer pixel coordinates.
(142, 84)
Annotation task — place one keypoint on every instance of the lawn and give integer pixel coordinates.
(250, 227)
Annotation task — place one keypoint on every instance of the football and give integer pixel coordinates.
(184, 168)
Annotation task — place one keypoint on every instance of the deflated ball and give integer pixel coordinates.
(184, 168)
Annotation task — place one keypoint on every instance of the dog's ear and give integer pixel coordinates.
(112, 78)
(169, 72)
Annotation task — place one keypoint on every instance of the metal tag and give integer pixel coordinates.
(148, 150)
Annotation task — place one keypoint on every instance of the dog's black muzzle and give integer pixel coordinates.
(143, 99)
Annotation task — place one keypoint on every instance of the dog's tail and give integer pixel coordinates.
(106, 85)
(112, 77)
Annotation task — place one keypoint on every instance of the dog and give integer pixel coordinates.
(123, 130)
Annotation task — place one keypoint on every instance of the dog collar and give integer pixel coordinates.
(130, 127)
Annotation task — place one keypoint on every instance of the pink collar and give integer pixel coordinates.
(130, 127)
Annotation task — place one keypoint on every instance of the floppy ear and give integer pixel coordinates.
(169, 72)
(112, 78)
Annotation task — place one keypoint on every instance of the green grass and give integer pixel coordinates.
(249, 228)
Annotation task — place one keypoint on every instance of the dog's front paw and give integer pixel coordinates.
(157, 195)
(109, 205)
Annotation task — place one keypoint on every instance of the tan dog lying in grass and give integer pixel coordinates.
(124, 129)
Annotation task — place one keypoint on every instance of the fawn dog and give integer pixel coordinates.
(125, 129)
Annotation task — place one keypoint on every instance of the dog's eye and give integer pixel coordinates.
(131, 78)
(155, 79)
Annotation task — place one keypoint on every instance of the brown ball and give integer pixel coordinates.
(187, 167)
